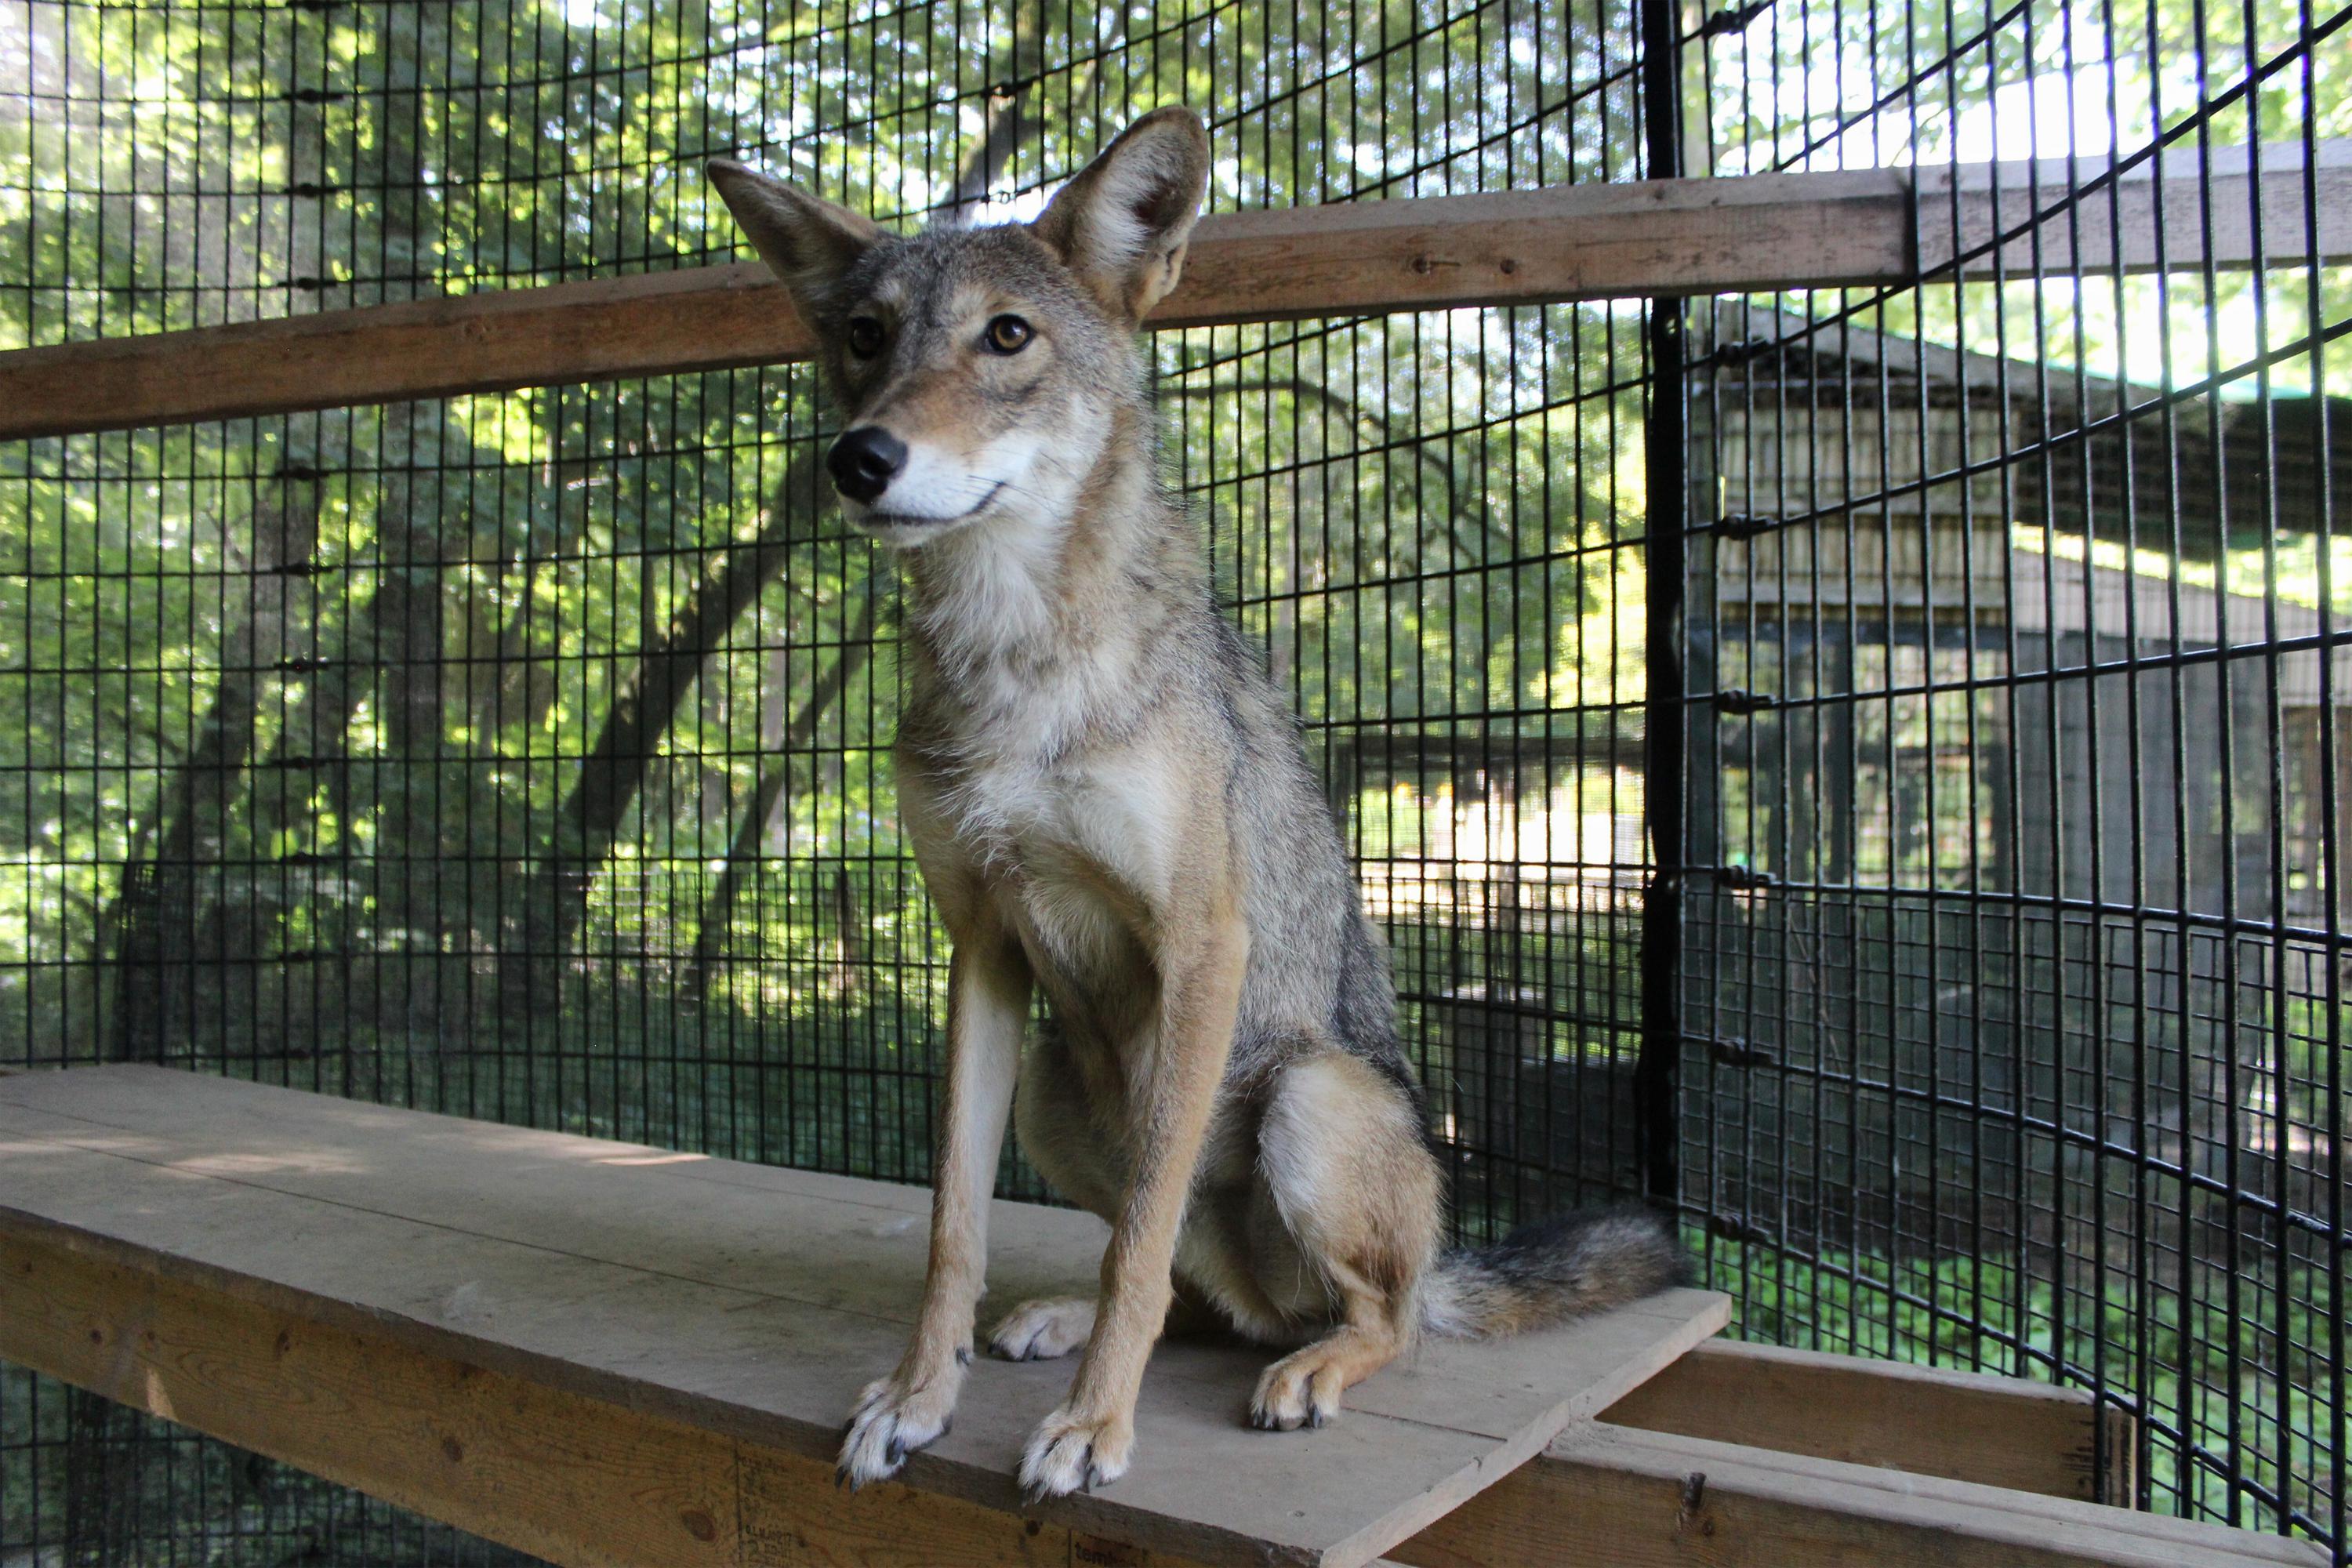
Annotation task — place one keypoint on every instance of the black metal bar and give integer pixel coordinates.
(1663, 459)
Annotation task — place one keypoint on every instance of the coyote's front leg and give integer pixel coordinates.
(988, 1004)
(1088, 1441)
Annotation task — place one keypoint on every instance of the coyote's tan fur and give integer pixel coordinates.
(1110, 802)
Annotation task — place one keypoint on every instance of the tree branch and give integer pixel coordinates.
(743, 852)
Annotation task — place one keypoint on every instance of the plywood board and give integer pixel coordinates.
(1964, 1427)
(1610, 1497)
(750, 1303)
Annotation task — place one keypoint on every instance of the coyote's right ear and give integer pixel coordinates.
(806, 241)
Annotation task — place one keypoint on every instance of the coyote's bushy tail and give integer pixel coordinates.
(1546, 1273)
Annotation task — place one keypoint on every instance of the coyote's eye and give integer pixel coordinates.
(1008, 335)
(865, 336)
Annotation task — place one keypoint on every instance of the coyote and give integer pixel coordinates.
(1109, 800)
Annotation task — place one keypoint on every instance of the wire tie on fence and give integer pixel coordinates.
(1738, 699)
(303, 666)
(1746, 525)
(1730, 1228)
(1733, 18)
(310, 188)
(1738, 353)
(313, 95)
(306, 283)
(293, 569)
(1730, 1051)
(1739, 879)
(304, 857)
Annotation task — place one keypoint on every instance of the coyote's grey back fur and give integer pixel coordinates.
(1111, 801)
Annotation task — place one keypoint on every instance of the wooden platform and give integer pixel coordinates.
(756, 1302)
(606, 1354)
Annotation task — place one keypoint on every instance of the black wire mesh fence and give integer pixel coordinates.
(2012, 982)
(524, 756)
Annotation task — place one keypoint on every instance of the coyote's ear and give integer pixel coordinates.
(1122, 223)
(808, 242)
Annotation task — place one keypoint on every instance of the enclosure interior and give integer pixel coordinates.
(525, 756)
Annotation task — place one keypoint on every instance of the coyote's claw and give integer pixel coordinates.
(892, 1421)
(1303, 1389)
(1069, 1454)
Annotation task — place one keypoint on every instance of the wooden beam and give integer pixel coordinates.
(655, 323)
(1523, 246)
(2018, 214)
(588, 1484)
(1562, 243)
(1609, 1497)
(571, 1479)
(1962, 1427)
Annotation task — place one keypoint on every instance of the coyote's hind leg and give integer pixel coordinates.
(1303, 1388)
(1342, 1158)
(1043, 1329)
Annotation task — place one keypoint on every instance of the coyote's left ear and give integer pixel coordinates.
(807, 241)
(1122, 223)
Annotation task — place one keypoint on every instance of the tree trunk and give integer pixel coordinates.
(156, 916)
(407, 652)
(106, 1449)
(743, 852)
(589, 820)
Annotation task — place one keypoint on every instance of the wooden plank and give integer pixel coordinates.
(849, 1245)
(1964, 1426)
(576, 1480)
(1659, 238)
(745, 1302)
(656, 323)
(1540, 247)
(1609, 1497)
(2142, 220)
(1592, 241)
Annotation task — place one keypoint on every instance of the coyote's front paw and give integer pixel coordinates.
(891, 1421)
(1072, 1453)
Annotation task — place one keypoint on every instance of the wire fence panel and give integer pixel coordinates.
(524, 756)
(2016, 641)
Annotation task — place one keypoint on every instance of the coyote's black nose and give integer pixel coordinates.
(865, 461)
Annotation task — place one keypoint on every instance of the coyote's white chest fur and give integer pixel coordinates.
(1033, 778)
(1067, 841)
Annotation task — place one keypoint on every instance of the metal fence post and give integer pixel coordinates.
(1654, 1077)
